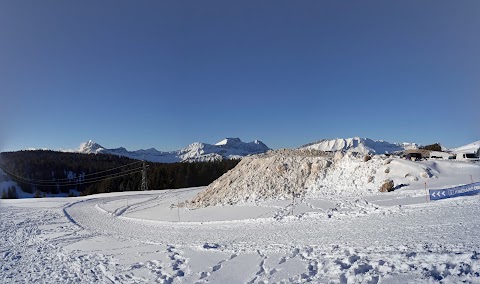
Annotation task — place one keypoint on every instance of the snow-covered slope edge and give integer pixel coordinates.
(229, 148)
(359, 145)
(473, 147)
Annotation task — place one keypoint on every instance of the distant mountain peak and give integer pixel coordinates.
(228, 148)
(253, 147)
(90, 147)
(229, 141)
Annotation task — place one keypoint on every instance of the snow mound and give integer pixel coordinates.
(229, 148)
(280, 174)
(359, 145)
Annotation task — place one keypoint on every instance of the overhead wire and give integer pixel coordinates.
(74, 182)
(70, 182)
(83, 176)
(85, 182)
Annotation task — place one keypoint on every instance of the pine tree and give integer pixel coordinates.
(4, 195)
(44, 165)
(11, 195)
(14, 192)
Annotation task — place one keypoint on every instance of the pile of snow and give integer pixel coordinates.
(274, 174)
(359, 145)
(310, 173)
(229, 148)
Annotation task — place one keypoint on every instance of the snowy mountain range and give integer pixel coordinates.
(229, 148)
(234, 148)
(359, 145)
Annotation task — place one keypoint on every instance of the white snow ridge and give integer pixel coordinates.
(473, 147)
(359, 145)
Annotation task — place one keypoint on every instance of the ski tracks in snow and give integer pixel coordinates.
(255, 256)
(82, 243)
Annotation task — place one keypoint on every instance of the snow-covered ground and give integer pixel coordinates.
(143, 237)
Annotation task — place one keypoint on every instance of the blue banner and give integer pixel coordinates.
(462, 190)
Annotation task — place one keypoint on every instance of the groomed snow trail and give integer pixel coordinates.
(362, 225)
(102, 238)
(346, 243)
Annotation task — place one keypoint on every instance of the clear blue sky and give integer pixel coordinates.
(163, 74)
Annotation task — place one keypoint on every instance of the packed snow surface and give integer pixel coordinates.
(359, 145)
(229, 148)
(144, 237)
(340, 230)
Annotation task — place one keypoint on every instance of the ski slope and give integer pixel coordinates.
(134, 237)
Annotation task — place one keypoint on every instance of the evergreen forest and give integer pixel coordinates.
(52, 172)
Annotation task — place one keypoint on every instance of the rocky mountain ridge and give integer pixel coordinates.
(228, 148)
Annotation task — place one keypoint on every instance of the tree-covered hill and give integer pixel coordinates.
(54, 172)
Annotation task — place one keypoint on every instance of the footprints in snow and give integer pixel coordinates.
(169, 271)
(215, 268)
(178, 262)
(263, 271)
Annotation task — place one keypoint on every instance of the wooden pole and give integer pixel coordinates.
(178, 210)
(293, 201)
(471, 178)
(426, 191)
